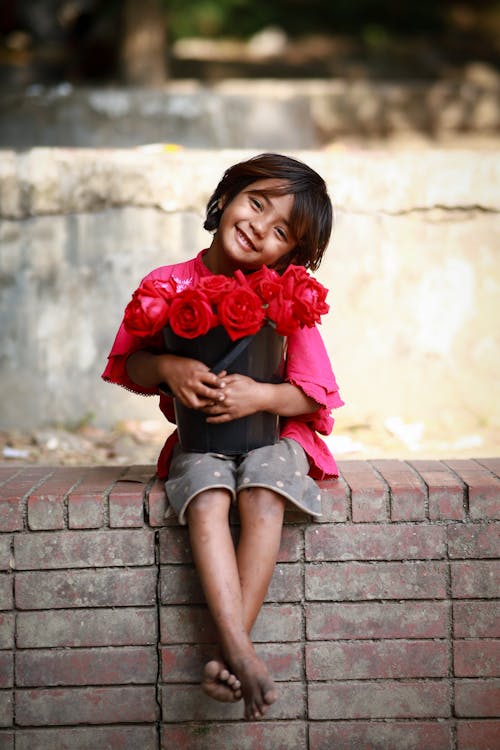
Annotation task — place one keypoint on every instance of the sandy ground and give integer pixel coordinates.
(139, 442)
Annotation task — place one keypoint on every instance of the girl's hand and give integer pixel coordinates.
(191, 381)
(241, 396)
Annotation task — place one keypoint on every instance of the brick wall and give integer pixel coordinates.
(381, 624)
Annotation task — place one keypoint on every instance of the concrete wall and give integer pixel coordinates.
(412, 267)
(380, 625)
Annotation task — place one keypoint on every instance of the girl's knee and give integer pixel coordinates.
(208, 504)
(259, 501)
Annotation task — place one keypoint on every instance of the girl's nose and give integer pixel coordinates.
(258, 226)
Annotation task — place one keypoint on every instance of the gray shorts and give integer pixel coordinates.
(282, 467)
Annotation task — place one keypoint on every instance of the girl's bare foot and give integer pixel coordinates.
(219, 683)
(257, 686)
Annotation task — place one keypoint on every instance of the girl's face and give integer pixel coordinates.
(253, 230)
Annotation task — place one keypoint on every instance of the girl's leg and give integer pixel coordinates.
(261, 518)
(217, 566)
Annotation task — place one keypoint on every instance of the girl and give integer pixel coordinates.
(270, 210)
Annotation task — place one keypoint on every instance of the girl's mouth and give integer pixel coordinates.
(244, 240)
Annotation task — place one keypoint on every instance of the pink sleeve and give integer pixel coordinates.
(309, 368)
(126, 344)
(116, 368)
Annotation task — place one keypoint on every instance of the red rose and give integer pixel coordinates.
(191, 314)
(216, 287)
(310, 303)
(265, 282)
(148, 310)
(241, 313)
(307, 293)
(281, 310)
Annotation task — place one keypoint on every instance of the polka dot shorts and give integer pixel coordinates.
(282, 467)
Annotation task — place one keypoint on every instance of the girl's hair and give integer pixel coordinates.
(311, 218)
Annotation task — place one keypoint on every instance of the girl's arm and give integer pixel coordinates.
(188, 379)
(243, 396)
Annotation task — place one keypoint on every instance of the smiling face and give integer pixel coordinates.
(253, 230)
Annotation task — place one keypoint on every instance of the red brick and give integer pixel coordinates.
(369, 494)
(180, 584)
(7, 629)
(5, 591)
(492, 464)
(379, 580)
(186, 624)
(174, 545)
(477, 658)
(378, 700)
(13, 495)
(11, 513)
(6, 708)
(91, 627)
(445, 490)
(5, 551)
(6, 669)
(377, 620)
(477, 698)
(375, 542)
(357, 660)
(45, 511)
(86, 502)
(157, 504)
(84, 549)
(98, 480)
(334, 501)
(478, 735)
(189, 703)
(476, 619)
(85, 511)
(474, 540)
(105, 705)
(483, 489)
(84, 666)
(46, 503)
(86, 588)
(290, 735)
(139, 474)
(62, 480)
(184, 662)
(127, 737)
(475, 579)
(192, 624)
(126, 506)
(408, 494)
(292, 544)
(278, 623)
(363, 735)
(8, 472)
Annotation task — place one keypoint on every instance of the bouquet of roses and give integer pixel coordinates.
(242, 305)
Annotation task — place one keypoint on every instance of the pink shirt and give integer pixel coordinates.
(307, 366)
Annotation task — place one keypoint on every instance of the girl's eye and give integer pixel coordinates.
(281, 233)
(255, 202)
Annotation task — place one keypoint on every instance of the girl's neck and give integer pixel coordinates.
(217, 263)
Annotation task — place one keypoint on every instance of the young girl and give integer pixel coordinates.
(270, 210)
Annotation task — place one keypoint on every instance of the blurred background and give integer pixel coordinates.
(117, 119)
(147, 42)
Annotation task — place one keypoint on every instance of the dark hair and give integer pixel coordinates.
(311, 218)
